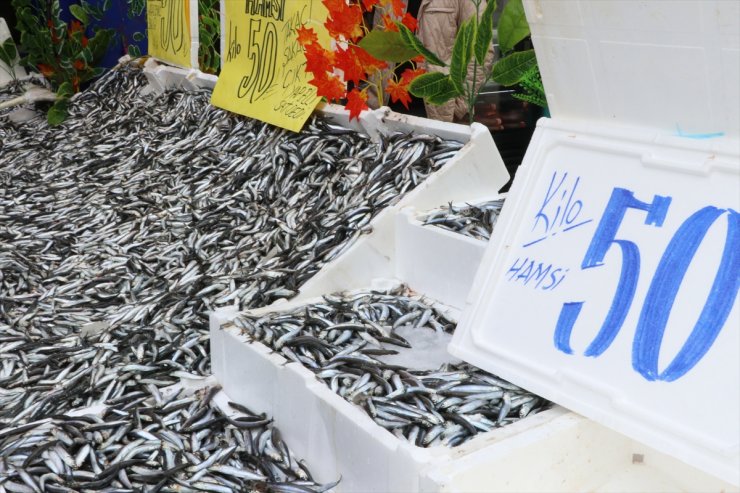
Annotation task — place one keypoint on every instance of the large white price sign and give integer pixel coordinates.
(611, 286)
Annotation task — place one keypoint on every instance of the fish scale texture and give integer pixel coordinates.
(119, 230)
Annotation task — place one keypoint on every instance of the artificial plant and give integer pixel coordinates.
(61, 51)
(8, 54)
(347, 71)
(209, 36)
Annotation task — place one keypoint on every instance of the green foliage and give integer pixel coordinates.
(472, 44)
(62, 52)
(209, 36)
(510, 69)
(512, 26)
(8, 55)
(387, 45)
(532, 89)
(412, 42)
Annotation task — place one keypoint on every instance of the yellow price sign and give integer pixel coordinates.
(168, 26)
(263, 73)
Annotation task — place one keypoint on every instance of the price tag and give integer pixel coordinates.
(611, 287)
(168, 26)
(263, 74)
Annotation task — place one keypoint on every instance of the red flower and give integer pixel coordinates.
(75, 26)
(306, 36)
(328, 86)
(356, 102)
(399, 92)
(46, 70)
(79, 65)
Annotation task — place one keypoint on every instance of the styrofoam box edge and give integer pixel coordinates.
(334, 436)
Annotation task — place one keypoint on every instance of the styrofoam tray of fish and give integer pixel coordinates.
(362, 386)
(354, 409)
(474, 168)
(437, 261)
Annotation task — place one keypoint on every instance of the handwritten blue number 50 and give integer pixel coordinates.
(663, 288)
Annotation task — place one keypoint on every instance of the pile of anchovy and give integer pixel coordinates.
(341, 340)
(473, 220)
(174, 443)
(121, 229)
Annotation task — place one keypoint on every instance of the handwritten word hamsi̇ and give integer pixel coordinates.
(545, 276)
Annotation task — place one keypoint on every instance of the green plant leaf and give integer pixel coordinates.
(98, 44)
(80, 13)
(58, 112)
(415, 44)
(510, 69)
(512, 26)
(446, 93)
(430, 85)
(461, 52)
(484, 33)
(387, 45)
(65, 90)
(9, 48)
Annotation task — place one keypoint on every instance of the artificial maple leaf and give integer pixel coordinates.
(328, 86)
(399, 92)
(348, 62)
(306, 35)
(409, 21)
(318, 59)
(418, 59)
(345, 22)
(46, 70)
(388, 23)
(75, 26)
(369, 4)
(408, 75)
(399, 7)
(334, 5)
(366, 60)
(356, 102)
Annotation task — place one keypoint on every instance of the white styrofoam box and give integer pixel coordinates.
(435, 261)
(336, 438)
(5, 71)
(641, 231)
(672, 65)
(554, 450)
(477, 170)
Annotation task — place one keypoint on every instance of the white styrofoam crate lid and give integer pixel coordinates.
(610, 287)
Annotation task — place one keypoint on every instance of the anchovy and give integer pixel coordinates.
(472, 220)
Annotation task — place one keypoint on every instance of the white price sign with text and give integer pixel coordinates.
(610, 286)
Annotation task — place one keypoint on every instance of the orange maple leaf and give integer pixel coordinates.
(46, 70)
(318, 59)
(399, 7)
(306, 35)
(418, 59)
(409, 21)
(369, 62)
(369, 4)
(345, 22)
(410, 74)
(328, 86)
(388, 23)
(356, 102)
(349, 62)
(399, 92)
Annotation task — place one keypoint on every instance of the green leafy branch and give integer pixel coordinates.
(209, 36)
(8, 55)
(62, 52)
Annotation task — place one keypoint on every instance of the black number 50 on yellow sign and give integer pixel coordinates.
(263, 73)
(168, 24)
